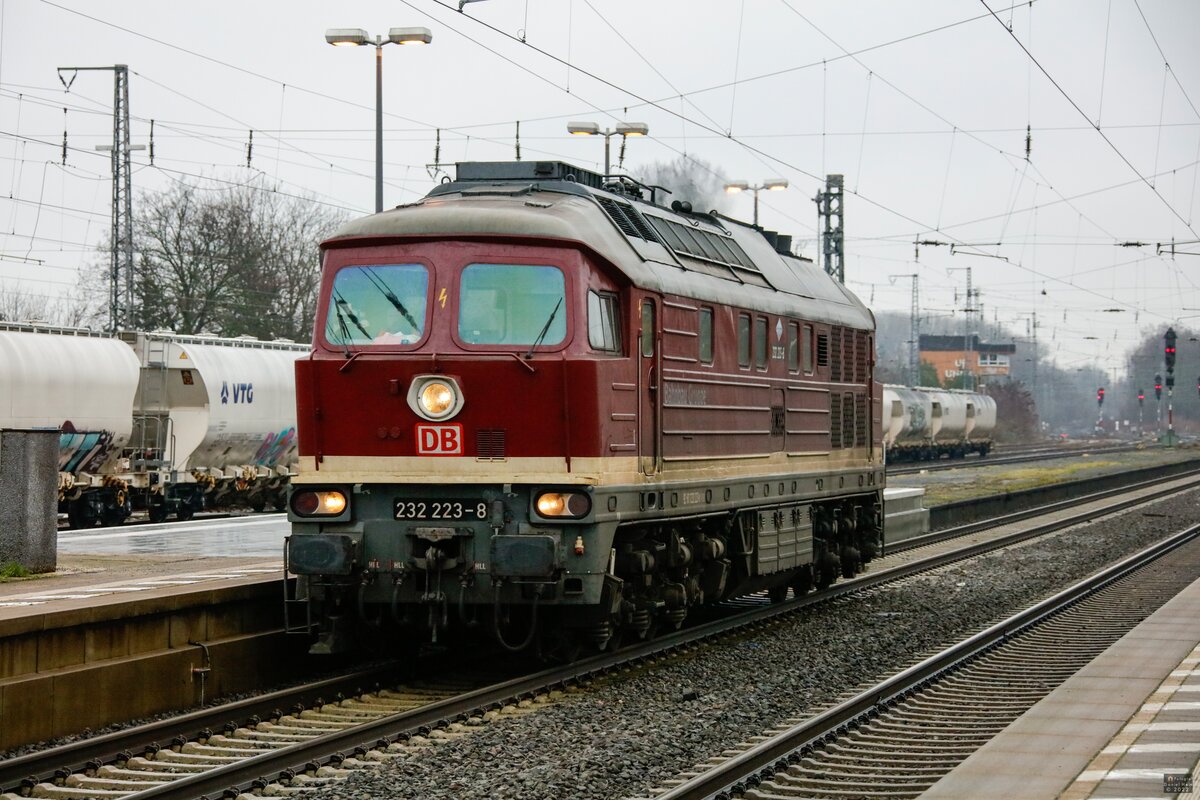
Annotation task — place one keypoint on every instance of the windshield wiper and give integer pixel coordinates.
(340, 304)
(342, 326)
(545, 329)
(391, 298)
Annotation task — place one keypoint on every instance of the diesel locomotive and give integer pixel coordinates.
(543, 402)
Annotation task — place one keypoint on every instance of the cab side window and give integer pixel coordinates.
(647, 336)
(603, 332)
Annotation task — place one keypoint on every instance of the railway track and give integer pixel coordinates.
(222, 751)
(906, 468)
(897, 738)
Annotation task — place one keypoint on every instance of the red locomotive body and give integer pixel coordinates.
(544, 402)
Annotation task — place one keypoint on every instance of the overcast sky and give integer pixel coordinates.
(923, 107)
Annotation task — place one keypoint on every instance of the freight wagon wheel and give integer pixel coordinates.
(158, 513)
(185, 512)
(80, 514)
(258, 505)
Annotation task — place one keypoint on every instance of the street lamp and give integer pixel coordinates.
(351, 37)
(623, 129)
(771, 184)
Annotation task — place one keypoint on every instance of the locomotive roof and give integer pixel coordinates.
(702, 256)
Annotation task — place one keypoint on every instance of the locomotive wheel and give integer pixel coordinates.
(113, 516)
(778, 594)
(185, 512)
(158, 513)
(868, 549)
(802, 582)
(851, 563)
(258, 505)
(560, 646)
(827, 570)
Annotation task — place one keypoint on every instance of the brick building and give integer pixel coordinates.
(951, 356)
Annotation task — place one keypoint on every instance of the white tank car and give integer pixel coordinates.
(222, 412)
(154, 421)
(928, 423)
(76, 381)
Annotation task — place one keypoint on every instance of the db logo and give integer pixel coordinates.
(439, 440)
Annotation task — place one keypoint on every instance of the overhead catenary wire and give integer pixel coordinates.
(1081, 112)
(825, 132)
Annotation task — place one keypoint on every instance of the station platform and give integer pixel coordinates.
(112, 637)
(1125, 726)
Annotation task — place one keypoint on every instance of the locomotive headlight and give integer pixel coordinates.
(563, 504)
(435, 397)
(324, 503)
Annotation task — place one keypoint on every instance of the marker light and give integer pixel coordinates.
(563, 504)
(325, 503)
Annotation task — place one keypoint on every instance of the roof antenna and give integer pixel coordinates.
(462, 3)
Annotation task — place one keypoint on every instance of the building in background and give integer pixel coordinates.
(966, 357)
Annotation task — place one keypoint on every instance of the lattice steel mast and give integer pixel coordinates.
(121, 275)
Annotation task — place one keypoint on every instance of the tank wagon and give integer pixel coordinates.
(542, 402)
(922, 424)
(156, 421)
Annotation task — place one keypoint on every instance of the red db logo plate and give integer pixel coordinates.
(440, 440)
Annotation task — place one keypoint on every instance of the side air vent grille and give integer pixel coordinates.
(712, 248)
(822, 350)
(627, 218)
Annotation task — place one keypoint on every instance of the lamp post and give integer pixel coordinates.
(771, 184)
(349, 37)
(623, 129)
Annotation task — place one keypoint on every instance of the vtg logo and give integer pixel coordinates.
(439, 440)
(242, 393)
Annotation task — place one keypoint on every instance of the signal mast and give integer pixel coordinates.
(1169, 357)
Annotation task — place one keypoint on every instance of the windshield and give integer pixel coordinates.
(512, 304)
(377, 304)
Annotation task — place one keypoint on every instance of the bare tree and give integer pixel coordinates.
(231, 261)
(17, 305)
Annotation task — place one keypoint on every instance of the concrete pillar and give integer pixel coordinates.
(29, 492)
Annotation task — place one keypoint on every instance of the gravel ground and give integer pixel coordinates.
(626, 734)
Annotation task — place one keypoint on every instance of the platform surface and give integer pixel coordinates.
(260, 535)
(1125, 726)
(104, 564)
